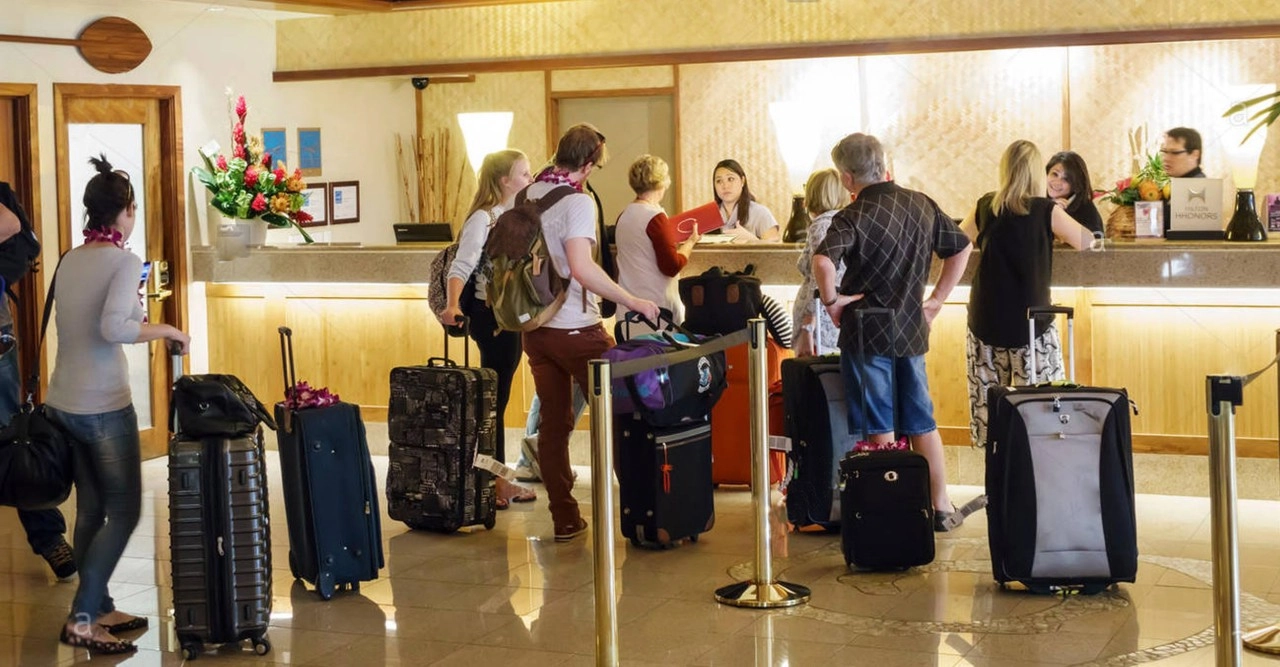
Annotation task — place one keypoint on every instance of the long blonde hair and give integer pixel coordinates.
(1021, 178)
(489, 180)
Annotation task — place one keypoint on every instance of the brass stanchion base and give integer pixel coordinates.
(766, 596)
(1264, 640)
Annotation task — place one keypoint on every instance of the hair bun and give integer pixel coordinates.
(100, 163)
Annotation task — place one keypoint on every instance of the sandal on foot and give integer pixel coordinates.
(135, 623)
(501, 503)
(96, 645)
(522, 494)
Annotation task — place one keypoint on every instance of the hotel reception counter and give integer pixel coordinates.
(1153, 317)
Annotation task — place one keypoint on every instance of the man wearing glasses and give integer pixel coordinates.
(1180, 153)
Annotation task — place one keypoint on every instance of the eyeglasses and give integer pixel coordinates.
(1165, 151)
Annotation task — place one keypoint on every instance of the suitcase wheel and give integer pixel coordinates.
(324, 586)
(693, 538)
(192, 650)
(261, 645)
(491, 522)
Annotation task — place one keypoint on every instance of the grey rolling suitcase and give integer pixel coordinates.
(1059, 483)
(219, 540)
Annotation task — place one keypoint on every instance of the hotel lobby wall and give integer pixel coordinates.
(945, 118)
(206, 53)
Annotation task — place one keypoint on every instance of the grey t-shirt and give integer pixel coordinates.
(97, 311)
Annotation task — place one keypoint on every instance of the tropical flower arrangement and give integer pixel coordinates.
(245, 186)
(1150, 183)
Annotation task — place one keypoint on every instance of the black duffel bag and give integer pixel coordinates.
(718, 302)
(216, 405)
(36, 464)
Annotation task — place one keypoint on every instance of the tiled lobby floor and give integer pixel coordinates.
(512, 596)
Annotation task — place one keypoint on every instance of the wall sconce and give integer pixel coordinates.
(798, 128)
(484, 133)
(1243, 154)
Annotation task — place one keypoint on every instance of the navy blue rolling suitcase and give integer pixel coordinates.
(330, 492)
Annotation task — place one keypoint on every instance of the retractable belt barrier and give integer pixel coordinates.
(1223, 394)
(762, 591)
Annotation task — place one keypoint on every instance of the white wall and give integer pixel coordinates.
(207, 52)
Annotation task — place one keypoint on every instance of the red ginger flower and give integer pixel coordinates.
(251, 177)
(302, 216)
(279, 174)
(241, 108)
(238, 151)
(222, 162)
(237, 134)
(259, 203)
(266, 161)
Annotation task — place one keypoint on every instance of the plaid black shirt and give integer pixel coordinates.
(885, 239)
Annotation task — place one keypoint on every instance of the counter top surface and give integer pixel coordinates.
(1123, 264)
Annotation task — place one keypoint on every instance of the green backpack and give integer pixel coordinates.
(523, 288)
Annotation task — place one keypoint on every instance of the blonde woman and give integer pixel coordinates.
(502, 175)
(824, 196)
(1013, 229)
(649, 256)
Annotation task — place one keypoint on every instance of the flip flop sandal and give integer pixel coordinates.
(135, 623)
(501, 503)
(96, 645)
(524, 497)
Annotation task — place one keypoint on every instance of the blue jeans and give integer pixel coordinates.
(534, 422)
(108, 500)
(44, 527)
(881, 378)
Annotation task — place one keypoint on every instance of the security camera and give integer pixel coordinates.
(420, 82)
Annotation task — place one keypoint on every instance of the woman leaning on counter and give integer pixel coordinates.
(743, 216)
(1013, 229)
(1067, 180)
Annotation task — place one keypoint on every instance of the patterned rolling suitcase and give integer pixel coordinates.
(1059, 483)
(330, 490)
(664, 481)
(219, 539)
(440, 416)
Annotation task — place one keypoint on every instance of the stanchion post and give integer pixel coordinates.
(1224, 392)
(1266, 639)
(602, 513)
(763, 590)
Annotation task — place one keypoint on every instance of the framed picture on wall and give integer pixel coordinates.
(309, 156)
(276, 142)
(344, 202)
(315, 200)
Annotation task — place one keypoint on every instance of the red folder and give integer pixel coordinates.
(705, 218)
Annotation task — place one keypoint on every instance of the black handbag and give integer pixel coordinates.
(718, 302)
(36, 458)
(216, 405)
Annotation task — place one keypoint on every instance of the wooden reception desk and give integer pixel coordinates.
(1152, 317)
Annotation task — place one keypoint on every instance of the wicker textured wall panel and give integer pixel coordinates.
(621, 26)
(613, 78)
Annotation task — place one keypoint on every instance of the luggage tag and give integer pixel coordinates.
(779, 443)
(490, 464)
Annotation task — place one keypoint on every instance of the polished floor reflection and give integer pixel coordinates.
(513, 596)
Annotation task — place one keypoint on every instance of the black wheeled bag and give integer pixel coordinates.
(664, 481)
(219, 540)
(886, 501)
(330, 490)
(818, 425)
(1059, 483)
(440, 417)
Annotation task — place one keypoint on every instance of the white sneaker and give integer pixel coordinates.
(529, 452)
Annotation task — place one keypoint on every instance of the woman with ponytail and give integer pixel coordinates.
(98, 312)
(502, 175)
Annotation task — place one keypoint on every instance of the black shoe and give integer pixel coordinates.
(61, 560)
(945, 522)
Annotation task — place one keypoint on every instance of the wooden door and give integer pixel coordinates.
(138, 129)
(19, 156)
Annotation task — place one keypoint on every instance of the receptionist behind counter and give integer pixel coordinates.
(743, 216)
(1180, 151)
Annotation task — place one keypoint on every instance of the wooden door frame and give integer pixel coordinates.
(172, 188)
(26, 185)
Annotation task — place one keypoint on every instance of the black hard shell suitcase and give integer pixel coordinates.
(1059, 483)
(219, 539)
(888, 513)
(330, 491)
(219, 542)
(886, 500)
(816, 422)
(664, 481)
(440, 416)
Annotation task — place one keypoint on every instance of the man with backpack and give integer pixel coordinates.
(560, 348)
(45, 528)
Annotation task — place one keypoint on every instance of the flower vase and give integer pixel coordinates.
(1122, 223)
(257, 232)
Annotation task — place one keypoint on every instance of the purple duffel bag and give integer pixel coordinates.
(667, 395)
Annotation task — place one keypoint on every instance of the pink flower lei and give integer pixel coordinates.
(111, 235)
(303, 395)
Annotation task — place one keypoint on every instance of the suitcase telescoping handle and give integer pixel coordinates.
(176, 371)
(815, 330)
(859, 315)
(286, 359)
(1038, 311)
(465, 323)
(666, 322)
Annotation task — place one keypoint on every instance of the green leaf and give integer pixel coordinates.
(275, 219)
